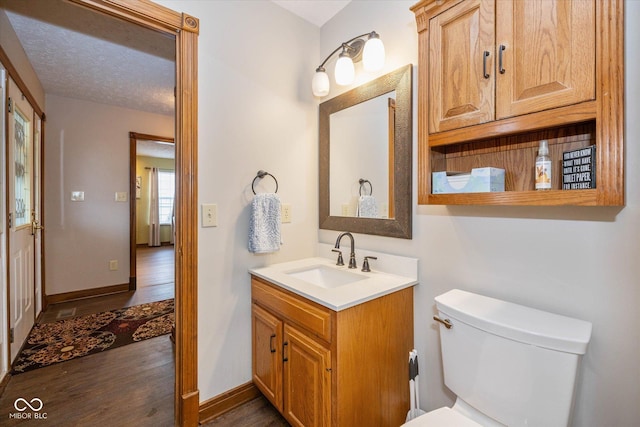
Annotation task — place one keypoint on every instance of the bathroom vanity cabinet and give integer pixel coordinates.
(496, 77)
(321, 367)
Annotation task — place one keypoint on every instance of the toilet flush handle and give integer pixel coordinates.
(446, 322)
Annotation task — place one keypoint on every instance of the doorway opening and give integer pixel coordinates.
(149, 154)
(185, 29)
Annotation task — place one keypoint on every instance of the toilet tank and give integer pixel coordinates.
(513, 363)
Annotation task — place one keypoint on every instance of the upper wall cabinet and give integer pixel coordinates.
(497, 76)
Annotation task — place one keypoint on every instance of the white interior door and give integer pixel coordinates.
(20, 209)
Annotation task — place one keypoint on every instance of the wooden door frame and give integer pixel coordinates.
(185, 29)
(12, 72)
(134, 137)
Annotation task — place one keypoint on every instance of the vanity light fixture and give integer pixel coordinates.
(371, 53)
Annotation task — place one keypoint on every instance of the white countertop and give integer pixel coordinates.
(375, 283)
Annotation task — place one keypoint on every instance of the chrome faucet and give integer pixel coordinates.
(352, 256)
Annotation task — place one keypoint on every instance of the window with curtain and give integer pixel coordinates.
(166, 193)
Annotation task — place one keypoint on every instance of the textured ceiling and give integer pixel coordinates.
(81, 54)
(165, 150)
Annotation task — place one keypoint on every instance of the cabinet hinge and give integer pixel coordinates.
(10, 220)
(11, 337)
(10, 105)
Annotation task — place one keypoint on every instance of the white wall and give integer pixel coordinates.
(256, 111)
(87, 149)
(581, 262)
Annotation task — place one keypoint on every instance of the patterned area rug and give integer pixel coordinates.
(55, 342)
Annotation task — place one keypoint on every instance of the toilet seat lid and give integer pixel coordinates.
(442, 417)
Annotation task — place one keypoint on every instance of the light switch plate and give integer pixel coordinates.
(209, 215)
(121, 196)
(77, 196)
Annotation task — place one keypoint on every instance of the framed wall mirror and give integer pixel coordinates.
(366, 158)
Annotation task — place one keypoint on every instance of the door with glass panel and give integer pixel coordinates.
(20, 215)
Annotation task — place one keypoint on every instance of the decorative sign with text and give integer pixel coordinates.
(579, 169)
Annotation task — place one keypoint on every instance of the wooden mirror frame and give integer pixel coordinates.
(399, 226)
(185, 29)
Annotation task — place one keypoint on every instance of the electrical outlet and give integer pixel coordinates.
(345, 209)
(121, 196)
(286, 212)
(113, 265)
(209, 215)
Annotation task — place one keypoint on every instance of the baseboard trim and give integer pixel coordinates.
(86, 293)
(227, 401)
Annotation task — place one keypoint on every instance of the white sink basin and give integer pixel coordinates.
(325, 276)
(338, 287)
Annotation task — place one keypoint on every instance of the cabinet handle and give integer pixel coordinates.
(502, 49)
(484, 64)
(284, 351)
(273, 350)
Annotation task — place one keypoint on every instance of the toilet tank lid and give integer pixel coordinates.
(516, 322)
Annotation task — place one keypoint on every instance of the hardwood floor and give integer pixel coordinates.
(107, 302)
(127, 386)
(257, 413)
(155, 265)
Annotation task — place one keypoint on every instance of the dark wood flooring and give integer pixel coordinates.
(154, 266)
(257, 413)
(127, 386)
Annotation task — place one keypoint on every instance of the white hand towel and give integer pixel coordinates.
(367, 207)
(264, 224)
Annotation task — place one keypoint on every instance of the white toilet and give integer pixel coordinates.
(507, 364)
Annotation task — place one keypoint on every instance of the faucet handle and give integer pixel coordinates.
(365, 264)
(340, 260)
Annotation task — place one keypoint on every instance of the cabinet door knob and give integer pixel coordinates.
(273, 350)
(501, 50)
(484, 64)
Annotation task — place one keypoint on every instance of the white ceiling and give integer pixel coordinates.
(318, 12)
(80, 54)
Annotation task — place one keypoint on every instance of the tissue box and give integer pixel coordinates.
(480, 180)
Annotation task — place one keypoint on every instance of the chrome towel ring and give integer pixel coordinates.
(362, 181)
(261, 174)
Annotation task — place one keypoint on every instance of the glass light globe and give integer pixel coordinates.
(373, 54)
(345, 72)
(320, 83)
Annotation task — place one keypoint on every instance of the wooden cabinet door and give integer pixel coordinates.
(307, 380)
(267, 354)
(461, 66)
(548, 57)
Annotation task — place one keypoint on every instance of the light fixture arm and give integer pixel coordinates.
(343, 45)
